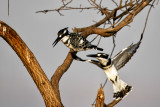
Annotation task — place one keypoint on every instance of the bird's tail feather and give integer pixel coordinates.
(121, 89)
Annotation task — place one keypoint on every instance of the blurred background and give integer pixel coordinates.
(79, 85)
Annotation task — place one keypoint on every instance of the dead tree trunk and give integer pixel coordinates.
(31, 64)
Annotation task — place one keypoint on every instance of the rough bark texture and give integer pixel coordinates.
(31, 64)
(59, 72)
(100, 98)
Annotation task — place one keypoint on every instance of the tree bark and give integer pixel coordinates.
(59, 72)
(100, 97)
(31, 64)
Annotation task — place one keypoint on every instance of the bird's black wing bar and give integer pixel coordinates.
(77, 58)
(125, 55)
(83, 60)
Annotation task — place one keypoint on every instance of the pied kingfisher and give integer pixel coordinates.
(74, 41)
(111, 66)
(120, 87)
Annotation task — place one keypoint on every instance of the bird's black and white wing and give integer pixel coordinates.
(125, 55)
(91, 61)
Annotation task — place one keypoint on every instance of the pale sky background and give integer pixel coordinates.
(80, 83)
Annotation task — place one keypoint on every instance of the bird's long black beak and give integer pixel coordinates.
(56, 41)
(92, 55)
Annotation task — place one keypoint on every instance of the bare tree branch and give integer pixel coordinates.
(8, 7)
(109, 32)
(113, 103)
(148, 16)
(31, 64)
(100, 97)
(59, 73)
(66, 7)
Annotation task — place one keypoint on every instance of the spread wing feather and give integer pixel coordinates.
(125, 55)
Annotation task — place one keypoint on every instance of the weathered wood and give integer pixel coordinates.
(31, 64)
(100, 97)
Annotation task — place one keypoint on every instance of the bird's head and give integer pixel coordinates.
(61, 34)
(102, 57)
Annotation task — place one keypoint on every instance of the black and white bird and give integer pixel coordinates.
(74, 41)
(111, 66)
(120, 87)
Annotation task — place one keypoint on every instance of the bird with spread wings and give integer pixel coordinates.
(112, 65)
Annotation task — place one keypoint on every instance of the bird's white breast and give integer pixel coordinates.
(111, 72)
(65, 38)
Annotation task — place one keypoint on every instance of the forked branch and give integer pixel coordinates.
(93, 29)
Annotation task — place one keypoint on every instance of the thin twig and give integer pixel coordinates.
(114, 45)
(67, 8)
(114, 23)
(8, 7)
(147, 17)
(94, 39)
(115, 3)
(64, 5)
(100, 3)
(105, 82)
(96, 5)
(99, 40)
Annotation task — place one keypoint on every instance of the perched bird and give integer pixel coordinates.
(74, 41)
(111, 66)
